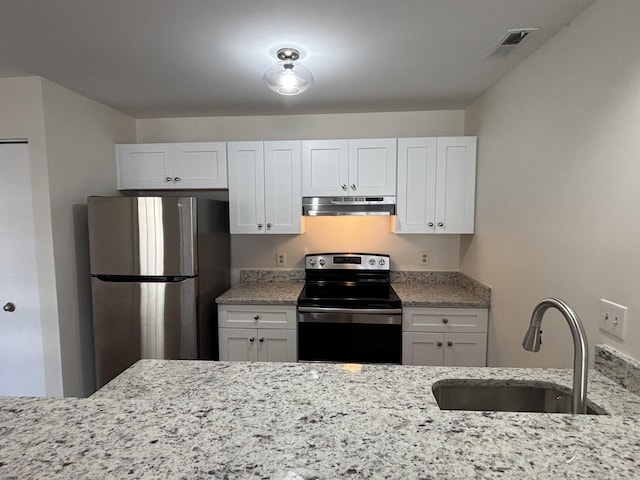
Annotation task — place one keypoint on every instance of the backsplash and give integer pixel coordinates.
(250, 275)
(619, 367)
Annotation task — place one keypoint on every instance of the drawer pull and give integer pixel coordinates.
(445, 320)
(449, 344)
(256, 317)
(252, 339)
(439, 344)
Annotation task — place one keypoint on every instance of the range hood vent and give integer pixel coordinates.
(509, 41)
(348, 206)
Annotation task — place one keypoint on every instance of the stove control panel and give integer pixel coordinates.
(347, 261)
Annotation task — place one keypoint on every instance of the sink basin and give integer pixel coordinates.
(506, 396)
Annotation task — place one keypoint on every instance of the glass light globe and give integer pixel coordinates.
(288, 78)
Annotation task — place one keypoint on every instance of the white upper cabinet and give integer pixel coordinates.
(349, 167)
(436, 185)
(172, 166)
(264, 187)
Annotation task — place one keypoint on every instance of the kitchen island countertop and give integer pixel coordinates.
(235, 420)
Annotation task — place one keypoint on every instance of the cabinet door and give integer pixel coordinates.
(456, 185)
(246, 187)
(419, 348)
(283, 199)
(372, 166)
(277, 345)
(416, 199)
(325, 168)
(200, 165)
(144, 166)
(238, 344)
(465, 349)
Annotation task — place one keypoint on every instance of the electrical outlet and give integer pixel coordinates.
(424, 258)
(612, 318)
(281, 259)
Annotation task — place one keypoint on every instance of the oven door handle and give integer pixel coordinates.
(352, 311)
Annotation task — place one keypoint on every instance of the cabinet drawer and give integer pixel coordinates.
(444, 320)
(252, 316)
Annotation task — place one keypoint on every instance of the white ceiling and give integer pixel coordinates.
(160, 58)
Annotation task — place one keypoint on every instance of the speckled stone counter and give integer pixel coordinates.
(415, 289)
(264, 293)
(222, 420)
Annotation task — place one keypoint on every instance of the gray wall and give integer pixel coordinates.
(558, 174)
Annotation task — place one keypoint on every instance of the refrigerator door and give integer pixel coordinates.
(134, 320)
(143, 236)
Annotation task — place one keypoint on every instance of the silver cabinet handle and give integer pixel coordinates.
(353, 186)
(256, 317)
(430, 224)
(9, 307)
(261, 339)
(439, 344)
(449, 344)
(440, 224)
(251, 339)
(168, 179)
(268, 225)
(259, 226)
(344, 186)
(176, 179)
(445, 320)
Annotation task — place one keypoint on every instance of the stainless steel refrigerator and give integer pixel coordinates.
(157, 266)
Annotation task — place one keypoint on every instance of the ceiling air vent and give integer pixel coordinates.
(509, 41)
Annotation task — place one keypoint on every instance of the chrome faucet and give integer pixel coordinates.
(533, 340)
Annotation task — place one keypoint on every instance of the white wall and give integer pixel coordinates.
(80, 138)
(558, 196)
(252, 251)
(21, 116)
(71, 148)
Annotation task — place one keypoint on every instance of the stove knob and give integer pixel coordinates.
(322, 262)
(312, 261)
(381, 262)
(372, 261)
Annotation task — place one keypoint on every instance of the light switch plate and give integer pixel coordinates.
(612, 318)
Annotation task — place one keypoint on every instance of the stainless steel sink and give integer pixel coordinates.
(506, 396)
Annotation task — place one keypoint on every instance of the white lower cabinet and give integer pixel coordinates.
(265, 333)
(454, 337)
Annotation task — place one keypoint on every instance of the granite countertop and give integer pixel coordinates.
(265, 293)
(415, 289)
(304, 421)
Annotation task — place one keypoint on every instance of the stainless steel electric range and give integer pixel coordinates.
(348, 311)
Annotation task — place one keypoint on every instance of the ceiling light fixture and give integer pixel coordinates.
(288, 76)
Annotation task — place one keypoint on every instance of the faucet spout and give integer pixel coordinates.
(532, 341)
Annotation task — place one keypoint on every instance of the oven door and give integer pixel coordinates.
(350, 335)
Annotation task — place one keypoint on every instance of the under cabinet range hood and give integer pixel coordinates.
(348, 206)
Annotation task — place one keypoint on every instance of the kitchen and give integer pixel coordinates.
(557, 140)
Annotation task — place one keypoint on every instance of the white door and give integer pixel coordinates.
(277, 345)
(142, 166)
(200, 165)
(325, 168)
(465, 349)
(238, 344)
(421, 348)
(372, 166)
(246, 187)
(21, 337)
(456, 185)
(416, 201)
(283, 200)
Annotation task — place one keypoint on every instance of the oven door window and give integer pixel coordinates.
(350, 342)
